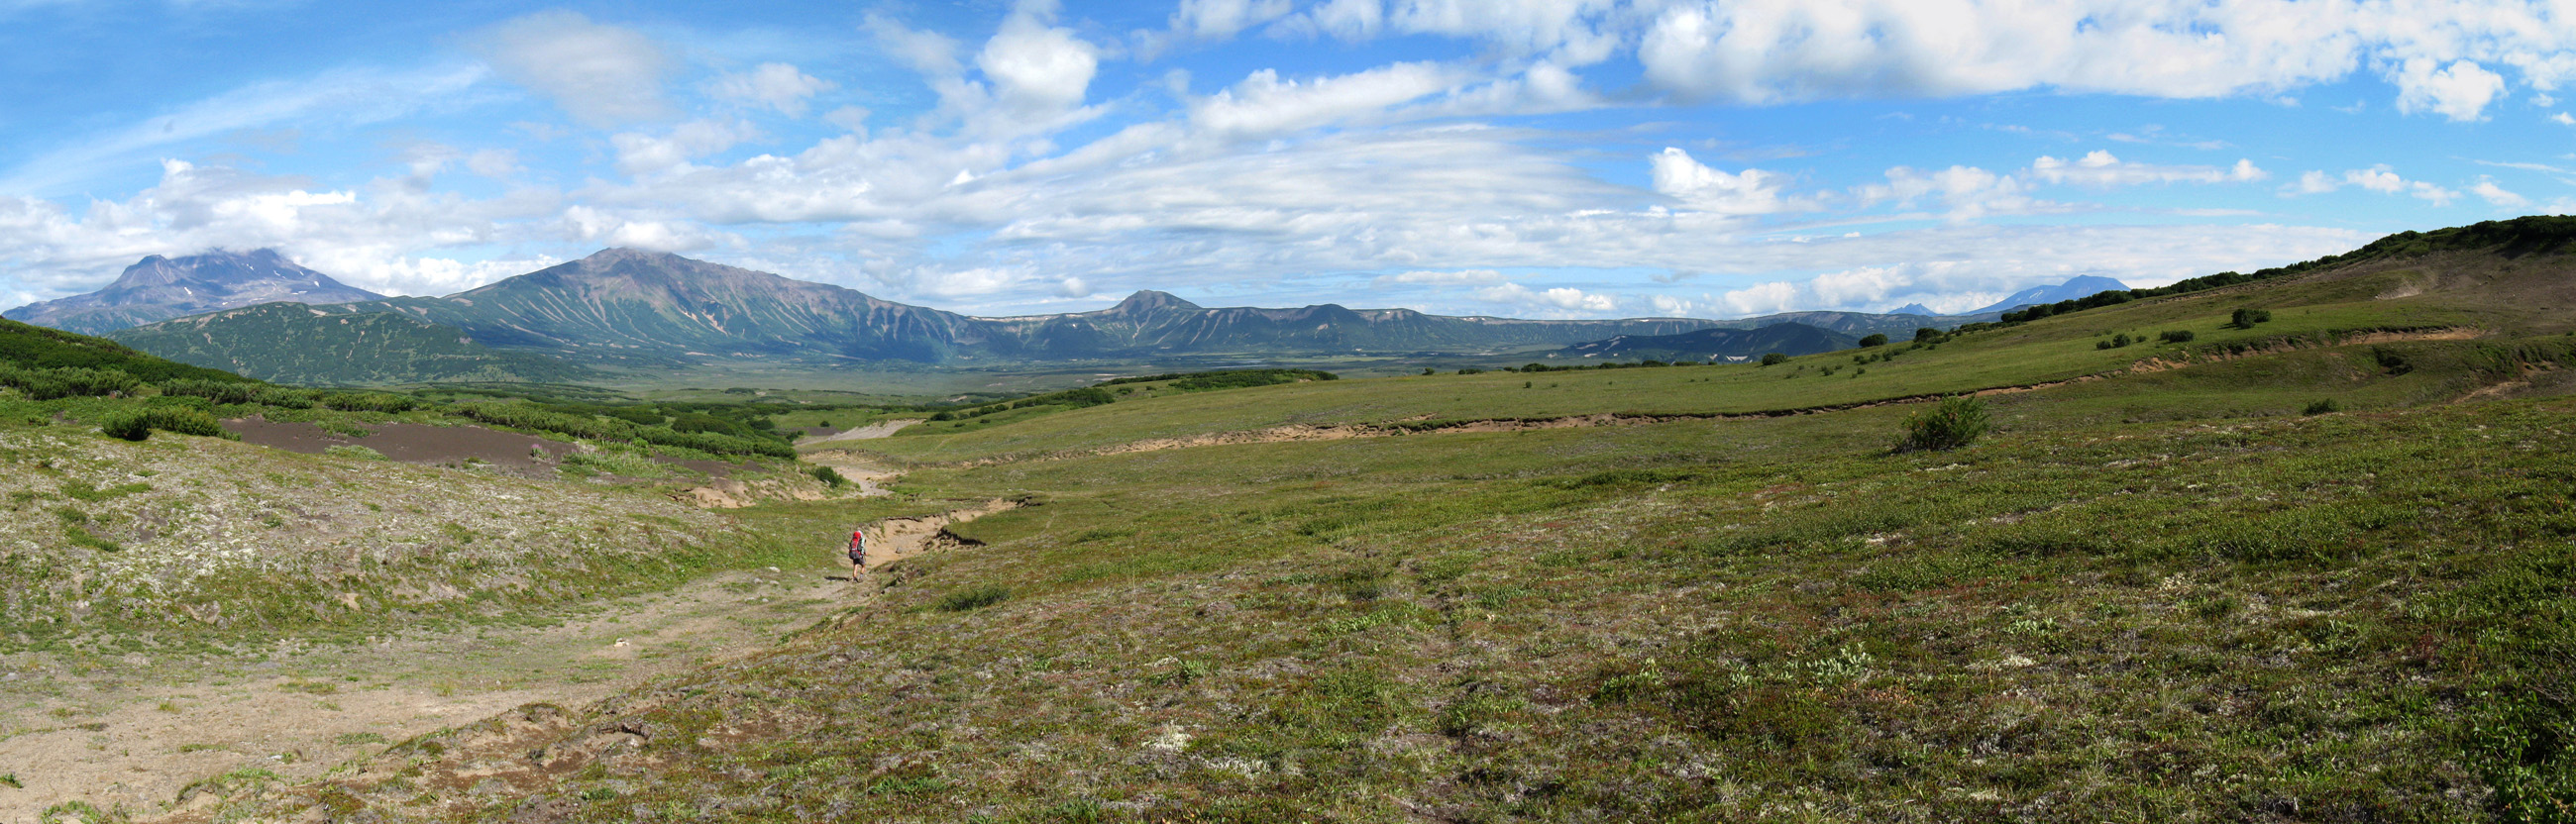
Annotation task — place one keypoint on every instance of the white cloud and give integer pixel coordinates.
(1459, 277)
(494, 163)
(1564, 298)
(640, 154)
(1036, 67)
(600, 74)
(775, 86)
(2497, 195)
(2101, 169)
(1750, 192)
(2380, 178)
(2459, 91)
(1967, 191)
(1264, 105)
(2563, 119)
(1220, 19)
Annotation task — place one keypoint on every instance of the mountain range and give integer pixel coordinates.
(159, 288)
(627, 309)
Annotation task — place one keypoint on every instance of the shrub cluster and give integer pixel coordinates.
(66, 382)
(1874, 340)
(529, 416)
(135, 425)
(1956, 421)
(1075, 398)
(2116, 341)
(2245, 318)
(2175, 336)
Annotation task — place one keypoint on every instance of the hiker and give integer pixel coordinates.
(858, 554)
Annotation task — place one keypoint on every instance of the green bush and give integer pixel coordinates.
(66, 382)
(2175, 336)
(135, 425)
(1873, 340)
(1955, 422)
(830, 476)
(2322, 407)
(1774, 359)
(2245, 318)
(976, 598)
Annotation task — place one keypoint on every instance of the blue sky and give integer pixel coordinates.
(1535, 158)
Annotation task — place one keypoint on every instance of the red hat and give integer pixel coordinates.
(855, 534)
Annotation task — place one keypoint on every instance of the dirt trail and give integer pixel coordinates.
(880, 429)
(131, 732)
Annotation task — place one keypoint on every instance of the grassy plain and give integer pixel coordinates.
(2169, 593)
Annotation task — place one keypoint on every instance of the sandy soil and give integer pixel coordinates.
(872, 431)
(870, 477)
(133, 731)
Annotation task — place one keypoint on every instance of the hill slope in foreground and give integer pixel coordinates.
(2159, 591)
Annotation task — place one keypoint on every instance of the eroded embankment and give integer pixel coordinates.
(895, 539)
(1333, 432)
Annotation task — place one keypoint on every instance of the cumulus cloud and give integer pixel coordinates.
(1750, 192)
(1036, 67)
(600, 74)
(2459, 91)
(1967, 192)
(2101, 169)
(775, 86)
(1562, 298)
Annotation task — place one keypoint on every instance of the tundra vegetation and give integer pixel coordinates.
(2312, 568)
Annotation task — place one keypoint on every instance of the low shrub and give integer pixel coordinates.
(2321, 407)
(2175, 336)
(1873, 340)
(830, 477)
(1774, 358)
(2245, 318)
(974, 598)
(1955, 422)
(137, 425)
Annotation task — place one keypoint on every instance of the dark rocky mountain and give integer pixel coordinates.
(159, 288)
(1720, 344)
(1914, 309)
(2081, 286)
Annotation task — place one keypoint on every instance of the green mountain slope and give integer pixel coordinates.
(325, 346)
(27, 346)
(1707, 344)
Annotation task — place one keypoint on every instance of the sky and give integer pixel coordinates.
(1527, 158)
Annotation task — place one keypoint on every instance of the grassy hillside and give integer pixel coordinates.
(298, 344)
(2315, 568)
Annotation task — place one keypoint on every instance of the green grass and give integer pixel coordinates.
(2054, 349)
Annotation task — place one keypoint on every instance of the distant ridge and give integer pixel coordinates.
(2081, 286)
(635, 309)
(1715, 344)
(158, 288)
(1914, 309)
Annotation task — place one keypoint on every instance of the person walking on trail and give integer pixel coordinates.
(858, 554)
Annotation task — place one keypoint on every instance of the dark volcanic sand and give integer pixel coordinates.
(415, 443)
